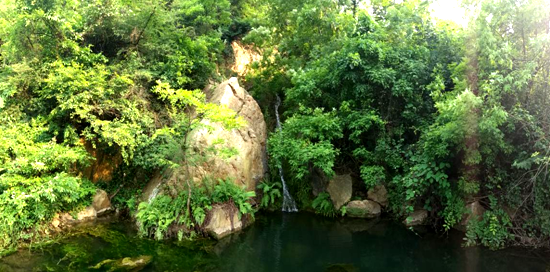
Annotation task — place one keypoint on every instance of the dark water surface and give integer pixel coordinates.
(282, 242)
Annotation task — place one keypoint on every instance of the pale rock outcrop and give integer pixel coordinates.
(379, 194)
(363, 209)
(222, 222)
(340, 189)
(249, 166)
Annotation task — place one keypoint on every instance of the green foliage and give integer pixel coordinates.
(304, 140)
(323, 205)
(36, 181)
(226, 190)
(270, 193)
(160, 216)
(492, 230)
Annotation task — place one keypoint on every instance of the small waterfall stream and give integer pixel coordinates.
(154, 193)
(289, 205)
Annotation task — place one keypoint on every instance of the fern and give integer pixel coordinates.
(323, 205)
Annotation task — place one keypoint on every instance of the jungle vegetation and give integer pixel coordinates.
(439, 113)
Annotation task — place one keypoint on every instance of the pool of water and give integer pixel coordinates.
(281, 242)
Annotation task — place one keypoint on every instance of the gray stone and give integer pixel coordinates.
(378, 194)
(363, 209)
(340, 188)
(222, 222)
(417, 218)
(101, 202)
(474, 211)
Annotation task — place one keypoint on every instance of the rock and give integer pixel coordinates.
(340, 189)
(247, 168)
(378, 194)
(125, 264)
(104, 164)
(363, 209)
(65, 219)
(318, 181)
(474, 211)
(88, 214)
(417, 218)
(223, 221)
(101, 202)
(244, 55)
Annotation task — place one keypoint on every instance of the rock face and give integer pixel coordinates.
(340, 189)
(222, 222)
(474, 211)
(249, 166)
(378, 194)
(101, 202)
(417, 218)
(363, 209)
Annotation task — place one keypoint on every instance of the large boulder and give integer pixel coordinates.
(222, 221)
(363, 209)
(417, 218)
(379, 194)
(340, 189)
(249, 166)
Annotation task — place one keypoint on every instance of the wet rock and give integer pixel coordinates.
(125, 264)
(223, 221)
(101, 202)
(378, 194)
(363, 209)
(340, 189)
(417, 218)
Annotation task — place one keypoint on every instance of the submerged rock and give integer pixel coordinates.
(363, 209)
(340, 189)
(378, 194)
(125, 264)
(417, 218)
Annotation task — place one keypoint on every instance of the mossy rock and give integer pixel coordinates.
(125, 264)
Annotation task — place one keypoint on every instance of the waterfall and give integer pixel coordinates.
(154, 193)
(288, 202)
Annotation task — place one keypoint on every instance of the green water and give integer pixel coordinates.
(281, 242)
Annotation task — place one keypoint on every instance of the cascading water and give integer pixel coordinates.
(288, 202)
(154, 193)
